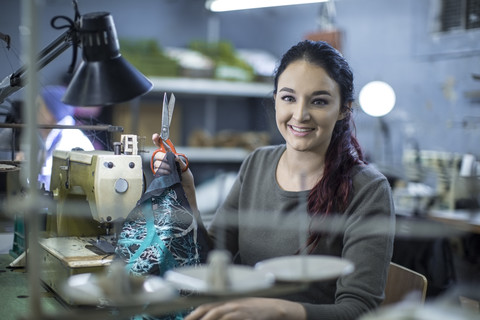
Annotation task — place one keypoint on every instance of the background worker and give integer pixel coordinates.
(51, 111)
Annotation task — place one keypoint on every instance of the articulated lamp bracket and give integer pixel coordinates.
(17, 79)
(103, 78)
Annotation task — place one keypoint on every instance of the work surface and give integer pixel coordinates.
(15, 294)
(463, 219)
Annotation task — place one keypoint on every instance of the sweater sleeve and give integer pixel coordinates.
(252, 191)
(223, 229)
(367, 241)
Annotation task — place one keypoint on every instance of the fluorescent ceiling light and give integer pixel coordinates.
(231, 5)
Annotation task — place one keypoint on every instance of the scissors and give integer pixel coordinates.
(167, 113)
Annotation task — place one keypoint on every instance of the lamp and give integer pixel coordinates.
(104, 76)
(231, 5)
(377, 98)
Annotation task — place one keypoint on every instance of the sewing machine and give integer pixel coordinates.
(441, 181)
(94, 191)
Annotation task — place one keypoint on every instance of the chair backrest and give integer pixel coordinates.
(401, 282)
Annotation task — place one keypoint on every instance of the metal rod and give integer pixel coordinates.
(28, 31)
(105, 127)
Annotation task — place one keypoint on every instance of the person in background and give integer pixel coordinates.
(321, 170)
(89, 115)
(51, 111)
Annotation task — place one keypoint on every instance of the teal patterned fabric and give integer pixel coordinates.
(161, 232)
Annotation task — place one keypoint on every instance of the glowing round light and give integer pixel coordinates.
(377, 98)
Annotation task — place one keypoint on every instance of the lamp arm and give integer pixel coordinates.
(16, 80)
(99, 127)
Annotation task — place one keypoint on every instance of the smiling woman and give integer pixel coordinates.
(317, 192)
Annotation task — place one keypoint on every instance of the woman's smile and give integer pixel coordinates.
(299, 131)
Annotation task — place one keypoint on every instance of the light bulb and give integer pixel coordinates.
(377, 98)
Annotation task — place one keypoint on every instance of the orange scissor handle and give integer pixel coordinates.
(172, 149)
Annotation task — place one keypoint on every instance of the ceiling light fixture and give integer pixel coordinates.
(232, 5)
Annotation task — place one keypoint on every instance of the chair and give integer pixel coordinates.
(401, 282)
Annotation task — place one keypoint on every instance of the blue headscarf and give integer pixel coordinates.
(52, 95)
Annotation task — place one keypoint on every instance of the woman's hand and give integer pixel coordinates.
(249, 308)
(165, 169)
(162, 167)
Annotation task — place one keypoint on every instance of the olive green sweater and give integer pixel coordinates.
(265, 221)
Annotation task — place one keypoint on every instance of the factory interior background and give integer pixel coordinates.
(431, 72)
(433, 67)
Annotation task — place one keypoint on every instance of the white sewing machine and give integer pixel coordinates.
(94, 191)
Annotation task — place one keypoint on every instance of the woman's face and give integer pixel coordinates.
(307, 106)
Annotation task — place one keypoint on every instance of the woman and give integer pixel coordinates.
(321, 168)
(52, 111)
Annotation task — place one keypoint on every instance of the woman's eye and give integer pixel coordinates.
(320, 102)
(288, 98)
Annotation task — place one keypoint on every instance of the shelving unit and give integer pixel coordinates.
(210, 90)
(207, 154)
(206, 160)
(201, 156)
(211, 87)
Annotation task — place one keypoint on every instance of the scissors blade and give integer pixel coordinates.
(171, 107)
(164, 134)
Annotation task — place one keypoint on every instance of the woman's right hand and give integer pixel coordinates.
(162, 167)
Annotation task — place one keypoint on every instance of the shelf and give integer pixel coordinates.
(207, 154)
(198, 86)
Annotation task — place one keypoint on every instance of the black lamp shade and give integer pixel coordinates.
(104, 76)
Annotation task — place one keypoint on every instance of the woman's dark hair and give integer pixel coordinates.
(332, 193)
